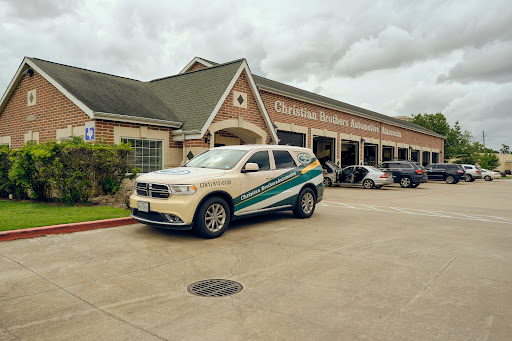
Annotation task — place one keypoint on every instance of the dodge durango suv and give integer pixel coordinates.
(226, 183)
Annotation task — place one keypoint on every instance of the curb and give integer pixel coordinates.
(64, 228)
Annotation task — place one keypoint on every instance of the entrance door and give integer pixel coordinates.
(370, 154)
(349, 153)
(323, 147)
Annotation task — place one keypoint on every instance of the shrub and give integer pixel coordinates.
(6, 185)
(33, 169)
(72, 169)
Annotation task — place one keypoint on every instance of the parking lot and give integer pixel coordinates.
(429, 263)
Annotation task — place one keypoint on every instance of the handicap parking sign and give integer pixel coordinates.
(89, 131)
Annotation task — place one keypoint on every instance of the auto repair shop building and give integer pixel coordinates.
(169, 120)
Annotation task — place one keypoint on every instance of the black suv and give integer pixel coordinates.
(449, 172)
(407, 174)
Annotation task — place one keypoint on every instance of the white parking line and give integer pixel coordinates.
(416, 211)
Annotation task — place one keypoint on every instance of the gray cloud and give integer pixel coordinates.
(394, 57)
(492, 63)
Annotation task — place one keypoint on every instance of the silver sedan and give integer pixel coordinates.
(366, 176)
(490, 175)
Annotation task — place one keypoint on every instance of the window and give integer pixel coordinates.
(148, 154)
(262, 159)
(283, 159)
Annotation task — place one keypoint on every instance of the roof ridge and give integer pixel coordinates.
(80, 68)
(190, 72)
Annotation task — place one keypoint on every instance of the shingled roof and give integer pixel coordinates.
(264, 83)
(106, 93)
(192, 96)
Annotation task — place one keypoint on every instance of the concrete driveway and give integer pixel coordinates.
(432, 263)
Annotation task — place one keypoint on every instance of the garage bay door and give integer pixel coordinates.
(289, 138)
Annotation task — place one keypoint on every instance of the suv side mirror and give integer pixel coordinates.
(250, 167)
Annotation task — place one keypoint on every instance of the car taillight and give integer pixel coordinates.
(461, 171)
(324, 171)
(477, 171)
(384, 176)
(419, 171)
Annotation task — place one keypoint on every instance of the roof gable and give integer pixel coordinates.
(193, 96)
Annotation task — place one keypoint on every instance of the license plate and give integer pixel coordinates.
(143, 206)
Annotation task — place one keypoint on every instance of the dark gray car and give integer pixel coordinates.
(449, 172)
(406, 173)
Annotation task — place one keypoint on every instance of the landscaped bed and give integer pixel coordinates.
(16, 215)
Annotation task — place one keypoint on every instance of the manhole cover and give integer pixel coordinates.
(215, 288)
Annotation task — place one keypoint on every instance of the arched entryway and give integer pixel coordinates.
(233, 132)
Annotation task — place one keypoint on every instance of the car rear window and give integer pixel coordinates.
(283, 159)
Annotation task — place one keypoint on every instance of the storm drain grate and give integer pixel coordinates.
(215, 288)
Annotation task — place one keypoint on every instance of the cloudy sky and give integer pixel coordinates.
(393, 57)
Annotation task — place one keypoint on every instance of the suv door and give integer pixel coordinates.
(253, 180)
(431, 172)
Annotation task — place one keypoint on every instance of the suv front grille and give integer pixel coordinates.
(151, 190)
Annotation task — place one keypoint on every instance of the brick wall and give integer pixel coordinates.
(251, 114)
(52, 111)
(329, 117)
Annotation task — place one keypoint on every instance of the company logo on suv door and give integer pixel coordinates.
(304, 158)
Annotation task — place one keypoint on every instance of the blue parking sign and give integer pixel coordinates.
(89, 131)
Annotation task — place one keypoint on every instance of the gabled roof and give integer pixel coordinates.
(287, 90)
(104, 93)
(205, 62)
(193, 96)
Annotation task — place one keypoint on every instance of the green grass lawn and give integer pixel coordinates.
(16, 215)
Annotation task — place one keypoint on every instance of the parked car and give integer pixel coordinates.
(490, 175)
(472, 173)
(449, 172)
(366, 176)
(406, 173)
(225, 183)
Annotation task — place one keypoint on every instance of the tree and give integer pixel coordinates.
(489, 161)
(504, 149)
(457, 144)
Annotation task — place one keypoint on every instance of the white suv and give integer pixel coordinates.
(472, 173)
(225, 183)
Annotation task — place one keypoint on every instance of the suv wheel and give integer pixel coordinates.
(405, 182)
(212, 218)
(327, 182)
(368, 184)
(468, 178)
(305, 205)
(450, 179)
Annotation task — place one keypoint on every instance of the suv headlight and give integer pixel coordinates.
(182, 189)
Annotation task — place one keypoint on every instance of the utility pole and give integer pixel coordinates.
(483, 137)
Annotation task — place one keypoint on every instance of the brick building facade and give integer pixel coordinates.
(172, 119)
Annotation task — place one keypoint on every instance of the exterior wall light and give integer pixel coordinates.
(29, 71)
(363, 140)
(208, 137)
(275, 126)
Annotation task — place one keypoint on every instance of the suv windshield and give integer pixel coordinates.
(217, 158)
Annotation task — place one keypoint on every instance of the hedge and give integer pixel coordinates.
(71, 170)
